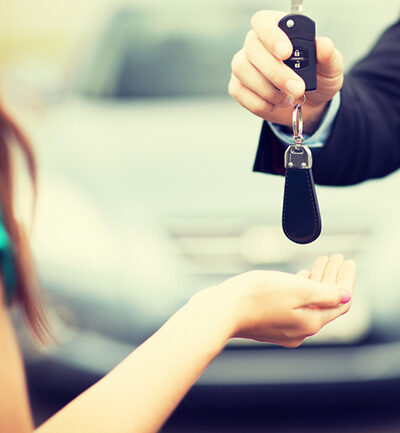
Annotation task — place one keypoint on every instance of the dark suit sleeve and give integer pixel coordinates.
(365, 139)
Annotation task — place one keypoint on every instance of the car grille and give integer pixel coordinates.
(222, 247)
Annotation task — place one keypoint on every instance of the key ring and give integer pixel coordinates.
(297, 123)
(292, 100)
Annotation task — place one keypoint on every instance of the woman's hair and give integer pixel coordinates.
(27, 290)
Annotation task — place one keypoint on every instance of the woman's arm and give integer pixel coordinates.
(141, 393)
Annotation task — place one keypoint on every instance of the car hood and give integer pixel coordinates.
(169, 155)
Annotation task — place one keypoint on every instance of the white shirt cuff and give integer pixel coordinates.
(321, 135)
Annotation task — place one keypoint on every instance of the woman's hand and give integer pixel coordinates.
(258, 72)
(282, 308)
(144, 389)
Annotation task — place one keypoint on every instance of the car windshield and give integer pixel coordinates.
(148, 54)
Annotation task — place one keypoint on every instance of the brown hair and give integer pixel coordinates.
(27, 290)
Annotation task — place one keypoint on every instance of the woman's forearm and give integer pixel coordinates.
(140, 393)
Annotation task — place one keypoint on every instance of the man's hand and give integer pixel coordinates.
(261, 81)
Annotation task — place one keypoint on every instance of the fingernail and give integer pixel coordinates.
(346, 297)
(294, 88)
(282, 50)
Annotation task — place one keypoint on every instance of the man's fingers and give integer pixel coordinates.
(273, 69)
(265, 26)
(325, 50)
(251, 78)
(332, 269)
(304, 273)
(329, 59)
(248, 99)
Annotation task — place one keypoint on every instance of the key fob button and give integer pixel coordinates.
(299, 59)
(302, 36)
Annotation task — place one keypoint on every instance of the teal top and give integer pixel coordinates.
(7, 263)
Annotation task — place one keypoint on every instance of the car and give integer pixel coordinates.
(147, 195)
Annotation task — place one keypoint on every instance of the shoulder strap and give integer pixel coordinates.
(7, 263)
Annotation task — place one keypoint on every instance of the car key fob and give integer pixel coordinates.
(301, 218)
(301, 31)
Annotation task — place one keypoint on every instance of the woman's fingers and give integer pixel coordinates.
(318, 269)
(347, 276)
(273, 69)
(250, 77)
(248, 99)
(313, 294)
(332, 269)
(304, 273)
(329, 315)
(337, 279)
(327, 269)
(265, 26)
(324, 297)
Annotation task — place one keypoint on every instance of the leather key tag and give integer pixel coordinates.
(301, 218)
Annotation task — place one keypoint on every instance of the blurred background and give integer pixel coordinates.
(147, 195)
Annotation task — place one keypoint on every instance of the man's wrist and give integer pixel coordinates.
(324, 125)
(315, 117)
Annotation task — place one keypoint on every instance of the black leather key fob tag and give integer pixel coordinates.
(301, 218)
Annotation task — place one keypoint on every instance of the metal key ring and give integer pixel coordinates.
(297, 123)
(292, 101)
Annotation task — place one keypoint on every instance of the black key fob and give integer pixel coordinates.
(301, 32)
(301, 218)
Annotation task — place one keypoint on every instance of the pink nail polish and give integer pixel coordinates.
(346, 297)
